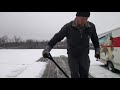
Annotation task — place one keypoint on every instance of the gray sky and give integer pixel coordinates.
(43, 25)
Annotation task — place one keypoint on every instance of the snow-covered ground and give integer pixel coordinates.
(21, 63)
(93, 59)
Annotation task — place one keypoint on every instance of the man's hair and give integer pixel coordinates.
(83, 14)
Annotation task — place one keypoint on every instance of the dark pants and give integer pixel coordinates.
(79, 66)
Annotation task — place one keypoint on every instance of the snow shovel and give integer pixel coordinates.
(51, 58)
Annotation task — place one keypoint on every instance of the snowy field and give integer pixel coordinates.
(21, 63)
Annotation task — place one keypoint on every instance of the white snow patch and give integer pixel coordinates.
(93, 59)
(35, 70)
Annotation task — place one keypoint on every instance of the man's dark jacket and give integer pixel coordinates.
(77, 39)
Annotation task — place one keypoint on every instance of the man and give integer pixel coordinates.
(78, 33)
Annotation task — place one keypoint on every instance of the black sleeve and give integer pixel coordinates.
(94, 38)
(58, 36)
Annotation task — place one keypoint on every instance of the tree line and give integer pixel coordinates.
(17, 43)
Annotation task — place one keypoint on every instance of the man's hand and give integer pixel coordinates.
(46, 54)
(97, 53)
(46, 51)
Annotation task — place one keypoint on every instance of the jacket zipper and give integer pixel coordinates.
(80, 33)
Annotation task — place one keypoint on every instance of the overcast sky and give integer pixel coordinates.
(43, 25)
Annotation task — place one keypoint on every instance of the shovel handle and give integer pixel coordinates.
(51, 58)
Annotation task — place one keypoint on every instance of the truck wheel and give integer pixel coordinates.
(110, 66)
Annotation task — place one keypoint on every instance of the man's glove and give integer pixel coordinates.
(46, 51)
(97, 53)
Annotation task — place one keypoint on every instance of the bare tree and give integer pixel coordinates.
(17, 39)
(4, 39)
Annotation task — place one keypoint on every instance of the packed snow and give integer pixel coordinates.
(21, 63)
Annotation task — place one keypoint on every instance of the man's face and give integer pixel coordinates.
(81, 21)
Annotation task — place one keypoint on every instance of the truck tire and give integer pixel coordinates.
(110, 66)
